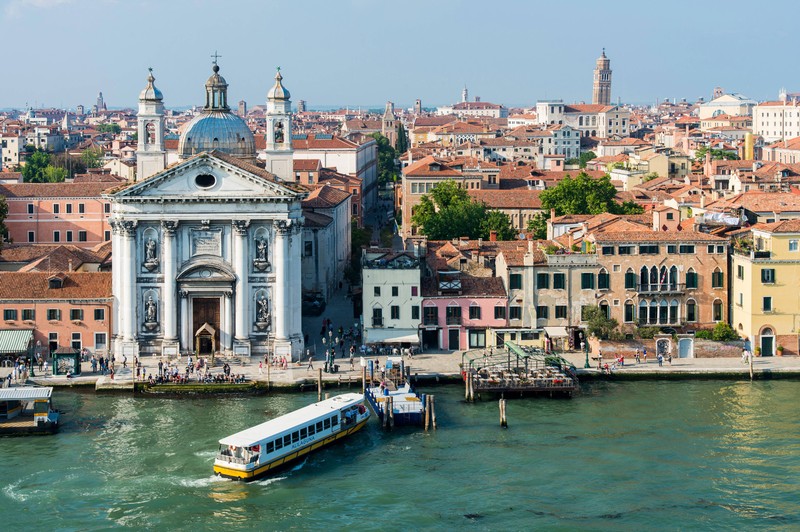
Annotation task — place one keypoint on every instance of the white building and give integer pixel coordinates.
(10, 146)
(392, 297)
(726, 104)
(593, 120)
(778, 120)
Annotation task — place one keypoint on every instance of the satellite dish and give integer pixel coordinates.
(521, 236)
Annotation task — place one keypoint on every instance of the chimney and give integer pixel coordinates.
(552, 213)
(530, 246)
(492, 236)
(480, 243)
(69, 265)
(702, 200)
(570, 241)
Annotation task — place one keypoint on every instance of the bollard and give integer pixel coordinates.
(503, 420)
(384, 407)
(364, 380)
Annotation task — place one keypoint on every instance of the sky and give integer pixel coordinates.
(361, 53)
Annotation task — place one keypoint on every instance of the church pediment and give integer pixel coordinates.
(210, 177)
(206, 268)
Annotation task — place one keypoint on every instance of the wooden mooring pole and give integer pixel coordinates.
(433, 411)
(503, 420)
(750, 358)
(364, 379)
(268, 367)
(390, 410)
(327, 395)
(319, 385)
(427, 412)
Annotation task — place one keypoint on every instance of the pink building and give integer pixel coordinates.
(52, 213)
(62, 310)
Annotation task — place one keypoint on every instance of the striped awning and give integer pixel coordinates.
(15, 341)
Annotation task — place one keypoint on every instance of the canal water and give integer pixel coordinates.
(646, 455)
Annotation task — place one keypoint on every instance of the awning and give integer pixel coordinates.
(556, 332)
(15, 341)
(392, 336)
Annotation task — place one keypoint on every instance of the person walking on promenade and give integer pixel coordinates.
(638, 356)
(260, 368)
(310, 363)
(644, 354)
(660, 359)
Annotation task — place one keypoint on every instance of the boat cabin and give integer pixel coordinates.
(27, 410)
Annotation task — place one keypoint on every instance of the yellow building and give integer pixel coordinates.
(765, 292)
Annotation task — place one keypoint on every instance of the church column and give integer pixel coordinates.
(116, 246)
(129, 302)
(170, 314)
(282, 279)
(186, 321)
(241, 317)
(226, 338)
(295, 293)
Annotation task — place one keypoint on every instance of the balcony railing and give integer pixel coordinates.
(753, 254)
(377, 322)
(454, 320)
(661, 288)
(430, 320)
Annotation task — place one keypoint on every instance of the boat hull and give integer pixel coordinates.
(284, 461)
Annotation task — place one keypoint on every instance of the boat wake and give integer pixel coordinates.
(205, 454)
(201, 482)
(268, 481)
(11, 492)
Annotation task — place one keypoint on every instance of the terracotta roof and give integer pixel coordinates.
(470, 287)
(315, 219)
(424, 168)
(587, 108)
(306, 165)
(62, 258)
(758, 201)
(55, 190)
(9, 176)
(508, 199)
(328, 142)
(784, 226)
(35, 285)
(654, 236)
(324, 198)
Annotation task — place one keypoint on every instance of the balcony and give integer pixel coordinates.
(753, 254)
(658, 288)
(453, 320)
(430, 321)
(377, 322)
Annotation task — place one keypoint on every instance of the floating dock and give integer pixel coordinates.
(392, 397)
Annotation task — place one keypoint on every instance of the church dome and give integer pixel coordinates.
(150, 92)
(216, 128)
(278, 91)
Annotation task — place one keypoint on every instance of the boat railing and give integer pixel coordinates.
(237, 460)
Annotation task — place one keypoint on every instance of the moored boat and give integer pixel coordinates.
(265, 448)
(27, 410)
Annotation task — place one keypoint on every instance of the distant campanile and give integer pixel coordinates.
(601, 92)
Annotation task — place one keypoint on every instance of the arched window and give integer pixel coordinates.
(644, 279)
(717, 278)
(691, 278)
(653, 317)
(673, 311)
(629, 314)
(691, 311)
(654, 278)
(662, 279)
(580, 120)
(150, 133)
(630, 279)
(606, 310)
(603, 280)
(673, 278)
(642, 312)
(663, 312)
(717, 310)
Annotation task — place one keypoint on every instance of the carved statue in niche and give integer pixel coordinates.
(262, 314)
(261, 263)
(150, 314)
(279, 133)
(150, 254)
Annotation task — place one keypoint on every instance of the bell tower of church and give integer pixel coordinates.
(601, 90)
(150, 153)
(279, 131)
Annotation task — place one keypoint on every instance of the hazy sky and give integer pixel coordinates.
(364, 52)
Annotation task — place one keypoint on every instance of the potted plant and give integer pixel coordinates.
(758, 351)
(780, 350)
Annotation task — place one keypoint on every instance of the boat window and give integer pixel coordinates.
(270, 447)
(287, 440)
(335, 420)
(311, 430)
(303, 433)
(278, 444)
(327, 422)
(319, 426)
(295, 437)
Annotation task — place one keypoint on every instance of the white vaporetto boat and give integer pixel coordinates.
(264, 448)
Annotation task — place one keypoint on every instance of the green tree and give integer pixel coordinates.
(538, 225)
(716, 154)
(35, 164)
(723, 332)
(73, 165)
(585, 157)
(92, 157)
(584, 195)
(499, 222)
(53, 174)
(449, 212)
(649, 177)
(401, 146)
(386, 160)
(598, 325)
(109, 128)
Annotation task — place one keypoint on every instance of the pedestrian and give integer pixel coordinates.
(638, 356)
(124, 361)
(660, 359)
(160, 368)
(744, 355)
(310, 363)
(669, 358)
(644, 354)
(45, 368)
(352, 366)
(260, 368)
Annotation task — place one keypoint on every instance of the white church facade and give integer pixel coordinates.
(207, 252)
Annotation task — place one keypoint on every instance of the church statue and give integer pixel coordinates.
(150, 250)
(261, 249)
(279, 133)
(150, 310)
(262, 315)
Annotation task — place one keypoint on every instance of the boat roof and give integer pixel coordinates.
(25, 393)
(286, 422)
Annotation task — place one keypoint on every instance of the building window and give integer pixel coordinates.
(717, 310)
(630, 316)
(793, 245)
(515, 281)
(56, 236)
(650, 249)
(69, 236)
(308, 248)
(625, 250)
(587, 281)
(76, 341)
(686, 249)
(28, 314)
(474, 312)
(559, 281)
(414, 291)
(768, 275)
(515, 313)
(100, 341)
(99, 314)
(30, 208)
(630, 279)
(377, 291)
(56, 208)
(672, 249)
(542, 312)
(740, 272)
(477, 338)
(766, 304)
(395, 291)
(107, 236)
(711, 248)
(31, 236)
(76, 314)
(717, 279)
(603, 280)
(107, 208)
(542, 280)
(53, 314)
(670, 216)
(499, 313)
(561, 312)
(81, 236)
(415, 312)
(377, 317)
(81, 208)
(69, 208)
(691, 279)
(395, 310)
(9, 314)
(607, 250)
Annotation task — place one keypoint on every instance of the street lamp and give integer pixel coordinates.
(585, 346)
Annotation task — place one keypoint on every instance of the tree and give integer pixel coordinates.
(649, 177)
(73, 165)
(723, 332)
(538, 225)
(35, 164)
(585, 157)
(500, 223)
(92, 157)
(109, 128)
(53, 174)
(716, 154)
(597, 324)
(401, 146)
(386, 159)
(584, 195)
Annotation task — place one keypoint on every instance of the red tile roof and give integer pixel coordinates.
(35, 285)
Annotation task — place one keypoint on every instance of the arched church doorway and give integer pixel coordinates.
(206, 324)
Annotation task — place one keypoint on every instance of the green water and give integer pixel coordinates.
(644, 455)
